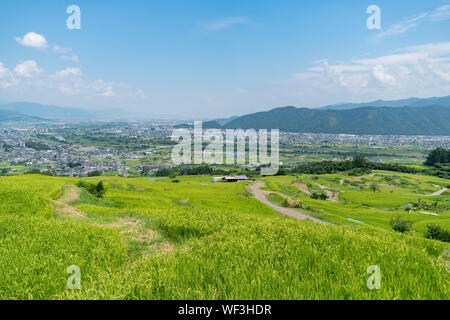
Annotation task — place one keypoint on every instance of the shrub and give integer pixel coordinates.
(97, 190)
(319, 196)
(356, 172)
(289, 203)
(33, 171)
(422, 204)
(175, 181)
(173, 175)
(437, 233)
(374, 187)
(401, 224)
(297, 204)
(95, 173)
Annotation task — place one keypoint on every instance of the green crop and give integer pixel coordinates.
(200, 240)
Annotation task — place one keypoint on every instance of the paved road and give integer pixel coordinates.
(255, 189)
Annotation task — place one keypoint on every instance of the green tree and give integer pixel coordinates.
(439, 155)
(99, 190)
(437, 233)
(374, 187)
(95, 173)
(401, 224)
(359, 161)
(173, 175)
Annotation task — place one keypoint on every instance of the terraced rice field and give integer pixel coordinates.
(198, 240)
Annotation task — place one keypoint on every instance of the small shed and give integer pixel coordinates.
(230, 179)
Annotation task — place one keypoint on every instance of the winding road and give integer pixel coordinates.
(261, 195)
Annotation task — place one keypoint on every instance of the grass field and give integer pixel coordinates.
(201, 240)
(358, 201)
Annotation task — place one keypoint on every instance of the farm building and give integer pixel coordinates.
(230, 179)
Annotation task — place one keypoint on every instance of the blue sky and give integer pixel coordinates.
(209, 58)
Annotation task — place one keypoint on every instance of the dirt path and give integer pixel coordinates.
(303, 188)
(332, 196)
(61, 204)
(70, 194)
(255, 189)
(146, 242)
(360, 178)
(437, 193)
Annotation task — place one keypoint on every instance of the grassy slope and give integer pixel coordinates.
(357, 201)
(227, 246)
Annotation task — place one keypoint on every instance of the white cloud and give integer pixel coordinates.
(73, 58)
(306, 75)
(400, 27)
(225, 23)
(32, 39)
(68, 90)
(383, 76)
(139, 94)
(5, 84)
(431, 49)
(7, 79)
(27, 69)
(103, 88)
(394, 59)
(59, 49)
(69, 72)
(423, 69)
(4, 72)
(67, 54)
(441, 13)
(27, 81)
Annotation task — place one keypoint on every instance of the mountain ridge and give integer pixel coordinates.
(46, 111)
(409, 102)
(431, 120)
(9, 116)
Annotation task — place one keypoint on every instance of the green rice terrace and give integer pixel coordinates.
(284, 237)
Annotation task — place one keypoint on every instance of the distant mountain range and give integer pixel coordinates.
(213, 124)
(58, 113)
(205, 125)
(47, 111)
(9, 116)
(431, 120)
(224, 121)
(411, 116)
(411, 102)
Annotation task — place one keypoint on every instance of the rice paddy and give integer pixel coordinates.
(199, 240)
